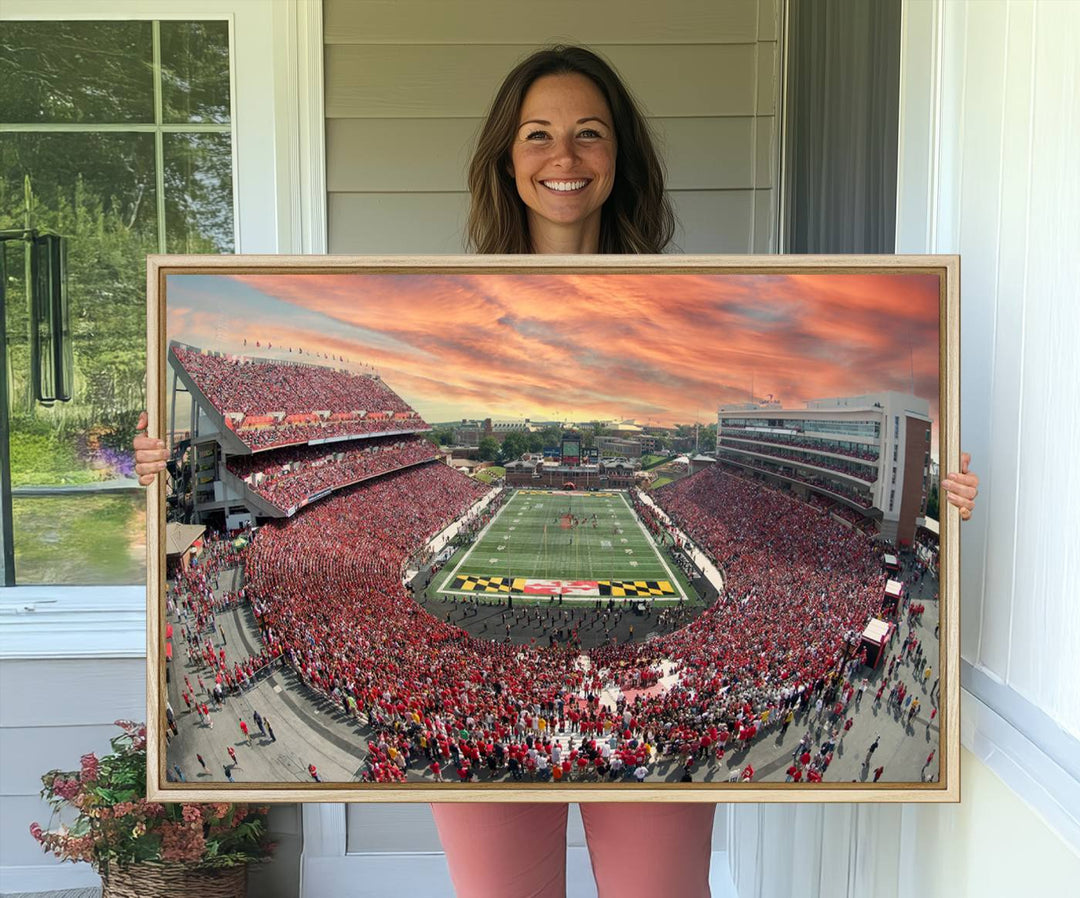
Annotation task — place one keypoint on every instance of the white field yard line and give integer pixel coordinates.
(656, 550)
(476, 542)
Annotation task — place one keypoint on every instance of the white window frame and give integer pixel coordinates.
(276, 88)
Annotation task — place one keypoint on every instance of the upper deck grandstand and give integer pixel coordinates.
(266, 404)
(268, 437)
(291, 478)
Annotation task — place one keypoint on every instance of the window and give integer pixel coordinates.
(894, 475)
(118, 136)
(895, 451)
(805, 426)
(892, 499)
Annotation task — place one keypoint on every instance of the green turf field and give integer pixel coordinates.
(533, 542)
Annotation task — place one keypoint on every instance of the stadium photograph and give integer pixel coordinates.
(508, 532)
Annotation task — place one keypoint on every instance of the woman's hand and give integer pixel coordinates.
(150, 454)
(961, 489)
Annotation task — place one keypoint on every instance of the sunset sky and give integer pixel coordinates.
(660, 348)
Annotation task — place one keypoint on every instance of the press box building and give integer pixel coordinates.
(868, 453)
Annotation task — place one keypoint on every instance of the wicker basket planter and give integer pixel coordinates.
(124, 837)
(150, 880)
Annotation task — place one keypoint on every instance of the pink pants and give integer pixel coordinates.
(519, 850)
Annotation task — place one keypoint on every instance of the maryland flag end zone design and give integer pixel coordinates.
(636, 588)
(470, 583)
(618, 589)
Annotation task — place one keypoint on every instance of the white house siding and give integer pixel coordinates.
(408, 83)
(1008, 150)
(83, 697)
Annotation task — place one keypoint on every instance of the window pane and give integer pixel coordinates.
(113, 174)
(76, 72)
(98, 191)
(195, 71)
(198, 193)
(82, 540)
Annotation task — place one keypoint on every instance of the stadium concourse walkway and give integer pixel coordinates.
(310, 729)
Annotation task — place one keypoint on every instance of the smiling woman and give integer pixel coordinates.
(563, 162)
(560, 118)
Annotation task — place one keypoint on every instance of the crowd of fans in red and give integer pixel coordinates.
(289, 477)
(285, 403)
(821, 461)
(327, 590)
(192, 599)
(839, 509)
(797, 585)
(928, 547)
(261, 438)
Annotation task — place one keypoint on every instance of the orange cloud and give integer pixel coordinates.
(664, 347)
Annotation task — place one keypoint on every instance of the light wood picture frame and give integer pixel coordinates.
(720, 503)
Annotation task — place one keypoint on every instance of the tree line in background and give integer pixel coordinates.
(517, 443)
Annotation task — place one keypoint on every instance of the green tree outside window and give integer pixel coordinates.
(117, 136)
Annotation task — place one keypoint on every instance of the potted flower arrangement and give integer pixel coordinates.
(144, 847)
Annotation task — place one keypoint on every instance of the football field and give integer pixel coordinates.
(580, 546)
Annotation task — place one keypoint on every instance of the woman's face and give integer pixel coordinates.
(563, 157)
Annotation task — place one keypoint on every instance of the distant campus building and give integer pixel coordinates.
(610, 474)
(572, 466)
(619, 446)
(470, 433)
(619, 439)
(869, 454)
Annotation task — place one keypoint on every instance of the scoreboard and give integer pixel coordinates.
(571, 450)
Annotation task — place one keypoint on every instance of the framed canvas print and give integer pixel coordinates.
(553, 528)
